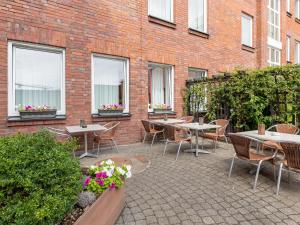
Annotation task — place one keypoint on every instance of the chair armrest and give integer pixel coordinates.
(271, 127)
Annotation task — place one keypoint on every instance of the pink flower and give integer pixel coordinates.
(100, 182)
(87, 181)
(101, 175)
(112, 186)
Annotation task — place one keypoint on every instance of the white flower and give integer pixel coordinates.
(109, 162)
(92, 167)
(120, 170)
(128, 174)
(128, 167)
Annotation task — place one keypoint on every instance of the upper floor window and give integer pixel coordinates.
(274, 56)
(288, 48)
(198, 15)
(36, 77)
(297, 52)
(297, 9)
(162, 9)
(247, 23)
(274, 19)
(197, 74)
(109, 82)
(160, 85)
(288, 5)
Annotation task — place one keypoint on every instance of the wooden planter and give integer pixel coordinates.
(109, 112)
(38, 114)
(105, 210)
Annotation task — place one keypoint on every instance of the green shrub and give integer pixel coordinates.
(39, 179)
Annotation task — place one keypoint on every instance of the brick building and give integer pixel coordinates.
(76, 55)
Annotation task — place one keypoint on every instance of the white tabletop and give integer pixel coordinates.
(168, 121)
(197, 126)
(90, 128)
(272, 136)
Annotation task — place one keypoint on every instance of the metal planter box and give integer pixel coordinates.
(162, 111)
(38, 114)
(109, 112)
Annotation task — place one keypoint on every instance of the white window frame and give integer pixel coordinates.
(271, 41)
(198, 70)
(297, 52)
(12, 45)
(246, 16)
(126, 82)
(172, 12)
(288, 48)
(297, 9)
(271, 63)
(172, 85)
(288, 6)
(204, 15)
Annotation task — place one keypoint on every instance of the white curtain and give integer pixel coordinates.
(246, 30)
(38, 77)
(196, 14)
(161, 9)
(157, 86)
(168, 86)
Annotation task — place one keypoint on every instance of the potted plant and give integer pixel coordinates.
(30, 112)
(111, 109)
(161, 108)
(103, 193)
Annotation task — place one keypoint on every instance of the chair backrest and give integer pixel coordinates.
(188, 119)
(60, 134)
(292, 154)
(146, 125)
(111, 128)
(223, 123)
(286, 128)
(241, 145)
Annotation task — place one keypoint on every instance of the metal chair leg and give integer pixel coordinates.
(215, 143)
(231, 167)
(146, 134)
(178, 150)
(279, 178)
(98, 148)
(257, 174)
(165, 149)
(164, 135)
(152, 141)
(289, 175)
(116, 146)
(274, 172)
(226, 139)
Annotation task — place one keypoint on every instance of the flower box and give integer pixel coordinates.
(102, 112)
(105, 210)
(51, 113)
(162, 111)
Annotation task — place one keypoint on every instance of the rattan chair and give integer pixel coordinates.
(281, 128)
(150, 129)
(219, 133)
(187, 119)
(243, 151)
(107, 136)
(291, 160)
(178, 135)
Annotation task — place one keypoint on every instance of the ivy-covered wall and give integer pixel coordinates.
(248, 97)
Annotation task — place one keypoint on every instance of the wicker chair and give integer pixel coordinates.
(178, 135)
(150, 129)
(291, 161)
(243, 151)
(107, 135)
(281, 128)
(219, 133)
(187, 119)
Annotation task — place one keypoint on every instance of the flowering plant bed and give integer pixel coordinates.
(162, 108)
(29, 112)
(110, 109)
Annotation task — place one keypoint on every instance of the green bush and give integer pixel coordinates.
(39, 179)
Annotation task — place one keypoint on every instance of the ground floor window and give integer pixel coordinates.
(197, 74)
(36, 77)
(297, 52)
(109, 82)
(160, 85)
(274, 56)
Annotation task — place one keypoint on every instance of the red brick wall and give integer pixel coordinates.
(121, 28)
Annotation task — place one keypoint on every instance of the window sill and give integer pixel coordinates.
(161, 22)
(198, 33)
(297, 20)
(289, 14)
(152, 115)
(123, 116)
(248, 48)
(18, 121)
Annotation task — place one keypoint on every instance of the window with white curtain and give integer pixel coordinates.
(36, 77)
(274, 56)
(297, 52)
(288, 48)
(288, 5)
(197, 73)
(274, 19)
(109, 82)
(162, 9)
(160, 85)
(198, 15)
(297, 9)
(247, 30)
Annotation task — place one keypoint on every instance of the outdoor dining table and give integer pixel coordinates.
(167, 121)
(74, 130)
(197, 127)
(272, 136)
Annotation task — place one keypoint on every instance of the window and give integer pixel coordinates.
(160, 85)
(288, 5)
(109, 82)
(247, 30)
(36, 77)
(197, 74)
(274, 56)
(198, 15)
(297, 9)
(274, 19)
(162, 9)
(288, 48)
(297, 53)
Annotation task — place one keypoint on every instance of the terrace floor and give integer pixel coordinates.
(198, 191)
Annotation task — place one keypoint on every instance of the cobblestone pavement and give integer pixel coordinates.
(198, 191)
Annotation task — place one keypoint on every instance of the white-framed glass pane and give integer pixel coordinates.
(160, 85)
(37, 77)
(297, 52)
(197, 73)
(198, 15)
(246, 30)
(274, 19)
(288, 48)
(288, 5)
(297, 9)
(162, 9)
(274, 56)
(109, 82)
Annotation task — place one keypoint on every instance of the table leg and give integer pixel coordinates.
(197, 150)
(86, 154)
